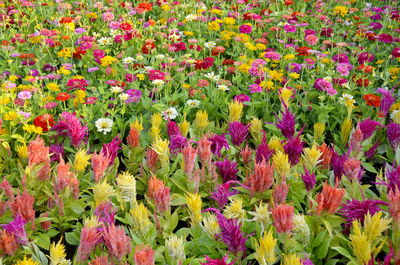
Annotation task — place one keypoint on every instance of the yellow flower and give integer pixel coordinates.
(275, 144)
(65, 53)
(107, 60)
(26, 261)
(291, 259)
(325, 60)
(214, 26)
(92, 222)
(57, 254)
(141, 76)
(165, 7)
(360, 244)
(311, 157)
(226, 35)
(235, 111)
(267, 85)
(156, 120)
(53, 87)
(288, 57)
(235, 210)
(375, 225)
(244, 68)
(5, 100)
(22, 151)
(138, 125)
(294, 75)
(64, 71)
(161, 147)
(13, 78)
(261, 46)
(155, 133)
(70, 26)
(32, 129)
(193, 201)
(188, 33)
(275, 75)
(140, 215)
(79, 97)
(102, 192)
(201, 121)
(256, 129)
(340, 10)
(261, 215)
(281, 163)
(319, 129)
(265, 249)
(127, 187)
(184, 126)
(211, 225)
(10, 116)
(81, 160)
(216, 11)
(285, 95)
(347, 125)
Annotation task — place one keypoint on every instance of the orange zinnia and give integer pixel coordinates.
(372, 100)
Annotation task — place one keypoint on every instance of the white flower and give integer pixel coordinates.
(212, 76)
(123, 96)
(193, 103)
(345, 97)
(395, 116)
(158, 82)
(148, 68)
(105, 41)
(139, 57)
(210, 44)
(160, 56)
(223, 87)
(104, 125)
(116, 89)
(191, 17)
(174, 37)
(170, 113)
(128, 60)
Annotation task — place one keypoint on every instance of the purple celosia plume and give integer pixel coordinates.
(368, 127)
(286, 124)
(387, 100)
(222, 261)
(217, 143)
(238, 132)
(337, 163)
(309, 179)
(227, 169)
(293, 148)
(105, 212)
(263, 150)
(173, 129)
(177, 143)
(222, 193)
(393, 134)
(56, 151)
(17, 228)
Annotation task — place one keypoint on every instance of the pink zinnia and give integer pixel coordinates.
(311, 39)
(283, 218)
(245, 29)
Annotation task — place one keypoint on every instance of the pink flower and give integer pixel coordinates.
(283, 218)
(245, 29)
(89, 239)
(311, 39)
(144, 255)
(38, 154)
(107, 16)
(117, 242)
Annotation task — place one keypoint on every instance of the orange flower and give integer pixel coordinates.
(38, 153)
(144, 255)
(63, 96)
(372, 100)
(329, 199)
(326, 155)
(8, 243)
(133, 137)
(159, 193)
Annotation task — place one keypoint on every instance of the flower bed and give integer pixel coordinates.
(199, 132)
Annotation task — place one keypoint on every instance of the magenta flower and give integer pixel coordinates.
(286, 124)
(309, 180)
(222, 261)
(387, 100)
(393, 134)
(222, 193)
(105, 212)
(227, 169)
(245, 29)
(368, 127)
(293, 148)
(17, 228)
(110, 150)
(238, 132)
(217, 143)
(263, 151)
(69, 125)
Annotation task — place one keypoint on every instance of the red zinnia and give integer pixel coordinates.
(372, 100)
(44, 121)
(66, 20)
(147, 47)
(125, 26)
(362, 82)
(63, 96)
(303, 51)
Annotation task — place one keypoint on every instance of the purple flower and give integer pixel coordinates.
(222, 194)
(294, 67)
(254, 88)
(341, 58)
(354, 210)
(238, 132)
(263, 151)
(56, 151)
(217, 143)
(368, 127)
(365, 57)
(245, 29)
(105, 211)
(337, 163)
(177, 143)
(210, 261)
(387, 100)
(371, 152)
(306, 262)
(344, 68)
(173, 129)
(392, 175)
(322, 84)
(393, 134)
(227, 169)
(69, 125)
(110, 150)
(293, 148)
(289, 28)
(309, 180)
(231, 233)
(134, 95)
(286, 124)
(17, 228)
(25, 94)
(242, 98)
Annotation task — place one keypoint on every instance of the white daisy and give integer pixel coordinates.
(193, 103)
(170, 113)
(104, 125)
(123, 96)
(128, 60)
(223, 87)
(212, 76)
(158, 82)
(210, 44)
(116, 89)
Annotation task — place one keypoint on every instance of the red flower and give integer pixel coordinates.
(44, 121)
(147, 47)
(303, 51)
(142, 7)
(125, 26)
(372, 100)
(362, 82)
(66, 20)
(63, 96)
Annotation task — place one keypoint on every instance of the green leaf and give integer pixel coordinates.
(72, 238)
(369, 168)
(344, 252)
(43, 241)
(328, 226)
(76, 208)
(322, 250)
